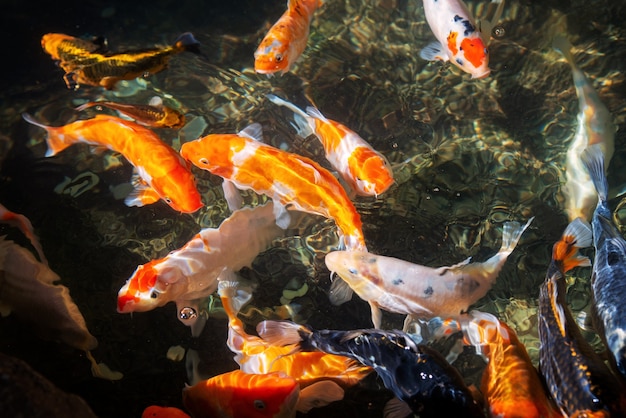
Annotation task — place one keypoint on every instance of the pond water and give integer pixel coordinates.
(467, 156)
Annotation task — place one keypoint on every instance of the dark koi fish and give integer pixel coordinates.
(577, 378)
(72, 52)
(154, 114)
(608, 280)
(416, 374)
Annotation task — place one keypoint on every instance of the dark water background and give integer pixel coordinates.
(469, 155)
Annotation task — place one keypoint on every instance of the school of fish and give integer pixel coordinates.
(291, 368)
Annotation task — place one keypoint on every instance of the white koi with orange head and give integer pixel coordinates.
(289, 179)
(420, 291)
(364, 169)
(458, 38)
(286, 40)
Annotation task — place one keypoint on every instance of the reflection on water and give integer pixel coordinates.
(467, 156)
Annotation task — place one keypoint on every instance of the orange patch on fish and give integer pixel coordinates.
(452, 42)
(474, 50)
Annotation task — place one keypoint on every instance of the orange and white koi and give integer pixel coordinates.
(287, 39)
(154, 114)
(254, 355)
(578, 379)
(162, 172)
(189, 274)
(241, 395)
(510, 384)
(23, 223)
(458, 38)
(289, 179)
(594, 127)
(420, 291)
(366, 171)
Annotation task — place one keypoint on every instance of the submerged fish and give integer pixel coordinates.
(190, 273)
(594, 127)
(72, 52)
(163, 173)
(107, 69)
(458, 38)
(577, 378)
(419, 291)
(416, 374)
(608, 280)
(154, 114)
(286, 40)
(254, 355)
(289, 179)
(241, 395)
(510, 383)
(23, 223)
(366, 171)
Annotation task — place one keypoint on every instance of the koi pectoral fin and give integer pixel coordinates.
(141, 195)
(433, 52)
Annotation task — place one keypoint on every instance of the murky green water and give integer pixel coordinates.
(467, 156)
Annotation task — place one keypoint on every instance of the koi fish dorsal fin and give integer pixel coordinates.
(253, 131)
(319, 394)
(454, 267)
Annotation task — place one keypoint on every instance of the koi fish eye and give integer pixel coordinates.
(278, 57)
(259, 405)
(204, 161)
(167, 200)
(154, 294)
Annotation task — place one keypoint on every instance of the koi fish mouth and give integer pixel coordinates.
(483, 75)
(125, 303)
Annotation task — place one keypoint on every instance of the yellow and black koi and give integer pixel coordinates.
(72, 52)
(155, 115)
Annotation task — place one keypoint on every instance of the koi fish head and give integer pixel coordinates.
(214, 152)
(351, 266)
(50, 43)
(240, 395)
(373, 173)
(473, 57)
(141, 292)
(178, 189)
(272, 56)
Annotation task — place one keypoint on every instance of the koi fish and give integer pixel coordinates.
(108, 69)
(254, 355)
(155, 411)
(289, 179)
(415, 373)
(594, 127)
(154, 114)
(366, 171)
(190, 273)
(458, 39)
(72, 52)
(576, 377)
(23, 223)
(510, 383)
(241, 395)
(286, 40)
(608, 280)
(163, 173)
(419, 291)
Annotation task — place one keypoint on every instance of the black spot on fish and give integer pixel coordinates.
(613, 258)
(457, 18)
(429, 291)
(469, 28)
(396, 282)
(352, 271)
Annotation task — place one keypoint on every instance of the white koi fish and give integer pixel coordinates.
(419, 291)
(459, 40)
(365, 170)
(594, 127)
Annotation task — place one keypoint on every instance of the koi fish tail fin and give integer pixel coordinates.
(561, 44)
(593, 159)
(283, 333)
(55, 142)
(482, 331)
(511, 235)
(234, 294)
(187, 42)
(565, 251)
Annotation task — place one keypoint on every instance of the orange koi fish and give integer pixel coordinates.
(164, 174)
(240, 395)
(286, 40)
(510, 383)
(289, 179)
(155, 411)
(23, 223)
(154, 114)
(576, 376)
(189, 274)
(419, 291)
(458, 39)
(366, 171)
(72, 52)
(594, 127)
(254, 355)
